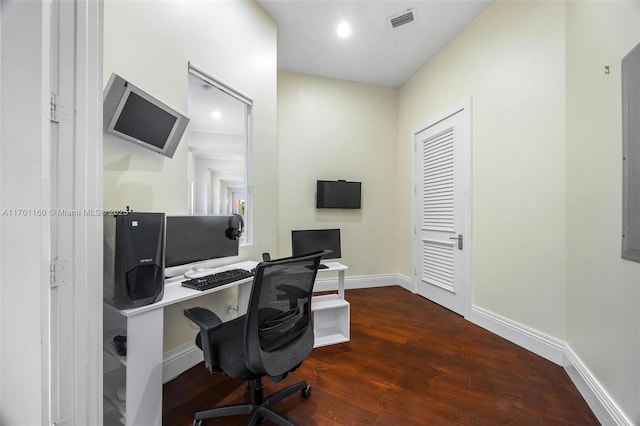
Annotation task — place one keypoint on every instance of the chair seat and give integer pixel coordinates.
(228, 345)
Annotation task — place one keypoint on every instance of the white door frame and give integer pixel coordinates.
(88, 193)
(466, 174)
(76, 241)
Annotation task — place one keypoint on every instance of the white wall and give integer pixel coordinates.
(603, 290)
(23, 176)
(510, 60)
(151, 44)
(332, 129)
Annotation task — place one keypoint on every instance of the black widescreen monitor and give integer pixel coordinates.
(338, 194)
(313, 240)
(144, 121)
(192, 239)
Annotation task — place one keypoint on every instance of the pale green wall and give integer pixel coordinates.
(547, 174)
(510, 61)
(151, 44)
(332, 129)
(603, 290)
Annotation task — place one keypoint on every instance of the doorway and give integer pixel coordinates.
(442, 210)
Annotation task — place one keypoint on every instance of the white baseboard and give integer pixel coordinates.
(539, 343)
(602, 405)
(180, 360)
(405, 282)
(368, 281)
(557, 351)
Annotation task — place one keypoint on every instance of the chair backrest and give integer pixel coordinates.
(279, 328)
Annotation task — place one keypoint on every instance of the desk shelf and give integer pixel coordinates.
(112, 417)
(330, 320)
(108, 348)
(115, 372)
(327, 301)
(111, 381)
(329, 336)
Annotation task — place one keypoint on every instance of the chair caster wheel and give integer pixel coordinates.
(306, 392)
(200, 422)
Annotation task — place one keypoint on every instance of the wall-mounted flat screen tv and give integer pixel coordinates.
(138, 117)
(338, 194)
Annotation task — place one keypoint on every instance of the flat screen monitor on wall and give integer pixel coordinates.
(191, 240)
(313, 240)
(138, 117)
(338, 194)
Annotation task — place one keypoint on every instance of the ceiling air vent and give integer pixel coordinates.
(404, 18)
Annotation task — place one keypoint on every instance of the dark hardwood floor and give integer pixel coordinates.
(409, 362)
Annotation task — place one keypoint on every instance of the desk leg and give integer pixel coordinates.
(244, 294)
(144, 368)
(341, 284)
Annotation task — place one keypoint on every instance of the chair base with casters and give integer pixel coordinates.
(259, 408)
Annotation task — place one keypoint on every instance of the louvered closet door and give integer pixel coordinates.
(439, 202)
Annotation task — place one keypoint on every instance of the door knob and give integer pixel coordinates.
(459, 238)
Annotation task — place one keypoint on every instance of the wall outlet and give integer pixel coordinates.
(230, 308)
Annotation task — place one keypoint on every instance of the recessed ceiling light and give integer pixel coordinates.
(217, 115)
(343, 30)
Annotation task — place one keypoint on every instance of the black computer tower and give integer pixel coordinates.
(134, 259)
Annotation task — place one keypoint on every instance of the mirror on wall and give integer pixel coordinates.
(218, 148)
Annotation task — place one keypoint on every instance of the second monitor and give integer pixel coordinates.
(312, 240)
(192, 239)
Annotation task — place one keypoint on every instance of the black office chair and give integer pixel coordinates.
(271, 339)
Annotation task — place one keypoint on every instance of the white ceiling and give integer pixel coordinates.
(307, 43)
(374, 53)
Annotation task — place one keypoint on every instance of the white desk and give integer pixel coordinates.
(141, 369)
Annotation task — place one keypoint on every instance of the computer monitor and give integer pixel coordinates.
(191, 240)
(138, 117)
(312, 240)
(338, 194)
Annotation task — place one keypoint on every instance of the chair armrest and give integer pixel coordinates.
(208, 322)
(204, 318)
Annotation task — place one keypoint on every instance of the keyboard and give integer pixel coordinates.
(216, 280)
